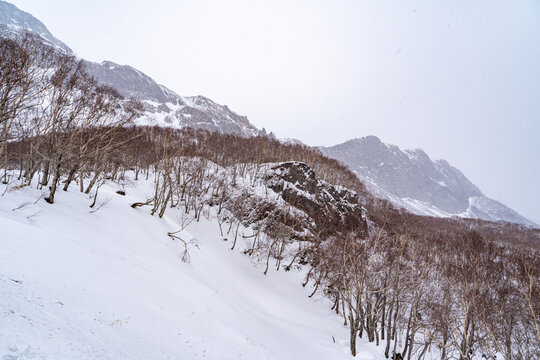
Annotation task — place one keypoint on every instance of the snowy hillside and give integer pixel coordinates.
(109, 283)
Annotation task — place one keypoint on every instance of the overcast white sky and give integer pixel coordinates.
(457, 78)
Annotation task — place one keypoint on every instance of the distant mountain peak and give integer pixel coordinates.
(414, 181)
(371, 138)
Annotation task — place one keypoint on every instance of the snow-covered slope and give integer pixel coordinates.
(162, 106)
(110, 284)
(412, 180)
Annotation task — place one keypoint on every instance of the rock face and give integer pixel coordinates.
(412, 180)
(166, 108)
(162, 106)
(130, 82)
(14, 20)
(332, 208)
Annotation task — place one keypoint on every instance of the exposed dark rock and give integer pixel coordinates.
(332, 208)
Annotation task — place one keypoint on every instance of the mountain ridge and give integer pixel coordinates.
(13, 19)
(161, 105)
(412, 180)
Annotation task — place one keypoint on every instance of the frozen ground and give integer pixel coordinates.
(111, 285)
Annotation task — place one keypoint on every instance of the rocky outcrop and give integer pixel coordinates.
(332, 208)
(130, 82)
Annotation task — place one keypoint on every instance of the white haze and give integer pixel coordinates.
(459, 79)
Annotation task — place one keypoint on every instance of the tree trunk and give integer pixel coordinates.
(92, 182)
(389, 332)
(81, 181)
(56, 178)
(70, 177)
(353, 331)
(45, 177)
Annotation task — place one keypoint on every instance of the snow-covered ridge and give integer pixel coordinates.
(163, 107)
(197, 112)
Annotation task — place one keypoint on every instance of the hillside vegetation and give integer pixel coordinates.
(419, 287)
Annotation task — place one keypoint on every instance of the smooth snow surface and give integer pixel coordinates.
(111, 285)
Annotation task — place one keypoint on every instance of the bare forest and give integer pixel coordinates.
(456, 288)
